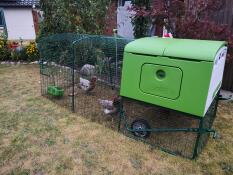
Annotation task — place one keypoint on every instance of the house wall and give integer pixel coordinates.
(118, 17)
(19, 22)
(124, 25)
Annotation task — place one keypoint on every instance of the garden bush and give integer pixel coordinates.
(72, 16)
(4, 50)
(13, 51)
(31, 52)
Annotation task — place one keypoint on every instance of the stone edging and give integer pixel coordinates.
(18, 63)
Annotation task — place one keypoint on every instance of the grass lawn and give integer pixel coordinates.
(39, 137)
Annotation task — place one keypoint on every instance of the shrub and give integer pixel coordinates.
(13, 51)
(32, 52)
(19, 55)
(71, 16)
(141, 20)
(4, 50)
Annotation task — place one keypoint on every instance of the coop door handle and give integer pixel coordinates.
(160, 74)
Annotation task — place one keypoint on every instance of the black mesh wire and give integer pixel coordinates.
(206, 123)
(68, 60)
(88, 70)
(101, 58)
(179, 143)
(188, 143)
(56, 64)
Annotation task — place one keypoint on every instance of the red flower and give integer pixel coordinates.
(13, 45)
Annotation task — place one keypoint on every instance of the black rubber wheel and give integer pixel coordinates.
(141, 124)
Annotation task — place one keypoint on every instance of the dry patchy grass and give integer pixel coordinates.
(38, 137)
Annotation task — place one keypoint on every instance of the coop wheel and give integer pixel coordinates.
(140, 124)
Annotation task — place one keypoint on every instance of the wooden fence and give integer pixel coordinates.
(228, 76)
(223, 16)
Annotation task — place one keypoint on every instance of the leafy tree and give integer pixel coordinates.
(57, 18)
(141, 20)
(90, 15)
(82, 16)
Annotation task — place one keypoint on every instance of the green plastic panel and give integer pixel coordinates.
(198, 50)
(159, 80)
(193, 92)
(149, 46)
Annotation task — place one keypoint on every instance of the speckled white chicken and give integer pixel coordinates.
(110, 106)
(87, 85)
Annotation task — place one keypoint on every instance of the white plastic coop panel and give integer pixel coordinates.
(19, 22)
(217, 76)
(124, 25)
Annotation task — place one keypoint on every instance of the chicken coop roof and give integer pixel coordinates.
(19, 3)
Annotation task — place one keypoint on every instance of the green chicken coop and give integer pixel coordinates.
(179, 75)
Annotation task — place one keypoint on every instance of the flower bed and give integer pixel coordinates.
(13, 51)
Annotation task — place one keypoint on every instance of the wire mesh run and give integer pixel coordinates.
(171, 131)
(97, 65)
(83, 74)
(56, 64)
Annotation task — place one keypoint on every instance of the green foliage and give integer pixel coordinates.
(4, 50)
(90, 15)
(141, 22)
(9, 52)
(18, 55)
(50, 141)
(31, 52)
(57, 18)
(82, 16)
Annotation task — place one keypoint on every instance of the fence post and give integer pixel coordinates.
(73, 80)
(116, 66)
(73, 70)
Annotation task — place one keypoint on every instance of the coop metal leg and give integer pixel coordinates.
(204, 130)
(121, 116)
(119, 123)
(195, 152)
